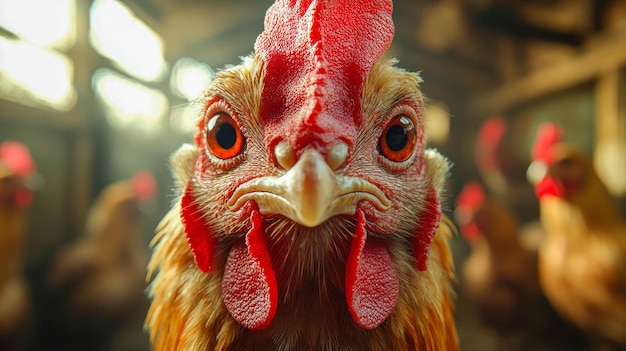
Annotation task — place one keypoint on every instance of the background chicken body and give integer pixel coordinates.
(500, 279)
(500, 275)
(582, 260)
(502, 170)
(309, 213)
(16, 166)
(96, 284)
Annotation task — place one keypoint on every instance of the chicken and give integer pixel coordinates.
(503, 171)
(16, 168)
(308, 215)
(97, 281)
(500, 274)
(582, 262)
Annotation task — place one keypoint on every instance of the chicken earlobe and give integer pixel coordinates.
(199, 235)
(437, 169)
(429, 221)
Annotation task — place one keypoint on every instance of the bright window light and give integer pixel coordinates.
(29, 72)
(189, 78)
(184, 118)
(41, 22)
(118, 34)
(128, 103)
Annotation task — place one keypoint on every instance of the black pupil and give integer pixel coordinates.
(226, 135)
(396, 138)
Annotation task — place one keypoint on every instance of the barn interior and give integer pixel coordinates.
(101, 89)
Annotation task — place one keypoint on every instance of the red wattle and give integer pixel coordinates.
(549, 187)
(372, 285)
(428, 224)
(249, 283)
(199, 237)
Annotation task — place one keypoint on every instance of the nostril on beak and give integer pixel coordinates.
(285, 155)
(337, 155)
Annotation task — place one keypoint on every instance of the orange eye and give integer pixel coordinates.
(224, 139)
(398, 140)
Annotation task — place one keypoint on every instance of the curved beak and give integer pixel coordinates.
(311, 186)
(309, 193)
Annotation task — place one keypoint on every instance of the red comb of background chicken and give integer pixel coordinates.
(468, 201)
(471, 196)
(17, 157)
(489, 138)
(491, 132)
(317, 55)
(548, 134)
(144, 185)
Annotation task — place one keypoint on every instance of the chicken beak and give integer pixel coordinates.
(310, 192)
(311, 186)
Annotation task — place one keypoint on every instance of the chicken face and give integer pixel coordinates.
(557, 169)
(319, 198)
(308, 177)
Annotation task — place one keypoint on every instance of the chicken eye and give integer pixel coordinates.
(398, 140)
(224, 139)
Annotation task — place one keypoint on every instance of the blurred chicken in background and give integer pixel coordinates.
(500, 278)
(500, 274)
(503, 171)
(16, 168)
(98, 281)
(582, 262)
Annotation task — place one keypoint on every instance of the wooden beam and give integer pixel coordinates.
(604, 54)
(454, 71)
(505, 19)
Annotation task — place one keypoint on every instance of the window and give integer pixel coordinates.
(128, 103)
(116, 33)
(33, 67)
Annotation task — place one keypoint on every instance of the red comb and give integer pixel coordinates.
(489, 138)
(471, 197)
(491, 132)
(548, 134)
(144, 185)
(317, 55)
(17, 157)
